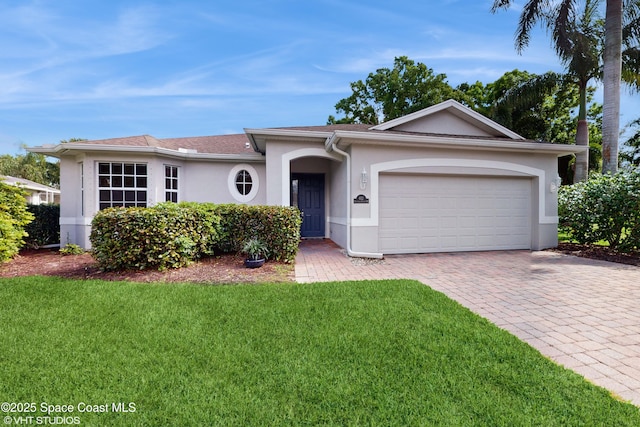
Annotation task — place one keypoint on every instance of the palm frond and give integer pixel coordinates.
(562, 27)
(501, 4)
(532, 13)
(527, 94)
(631, 67)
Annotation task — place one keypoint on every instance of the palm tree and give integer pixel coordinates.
(576, 43)
(612, 75)
(578, 46)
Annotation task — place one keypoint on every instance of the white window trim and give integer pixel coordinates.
(255, 181)
(177, 190)
(134, 188)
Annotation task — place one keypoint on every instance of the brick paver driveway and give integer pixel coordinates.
(584, 314)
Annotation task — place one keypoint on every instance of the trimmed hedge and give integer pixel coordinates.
(172, 235)
(45, 228)
(278, 227)
(14, 217)
(164, 236)
(605, 207)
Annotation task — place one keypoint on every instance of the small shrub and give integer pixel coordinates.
(255, 249)
(71, 249)
(14, 217)
(45, 228)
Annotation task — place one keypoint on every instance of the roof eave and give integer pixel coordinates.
(62, 149)
(349, 137)
(259, 137)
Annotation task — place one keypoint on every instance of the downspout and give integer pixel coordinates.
(332, 144)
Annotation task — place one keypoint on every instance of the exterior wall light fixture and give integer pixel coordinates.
(363, 179)
(555, 184)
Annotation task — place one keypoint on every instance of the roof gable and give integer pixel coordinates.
(448, 118)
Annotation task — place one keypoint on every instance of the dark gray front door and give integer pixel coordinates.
(310, 200)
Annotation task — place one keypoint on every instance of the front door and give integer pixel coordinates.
(308, 192)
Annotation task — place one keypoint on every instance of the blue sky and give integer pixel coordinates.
(99, 69)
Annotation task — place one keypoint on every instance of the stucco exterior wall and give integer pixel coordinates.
(541, 168)
(200, 181)
(338, 204)
(209, 182)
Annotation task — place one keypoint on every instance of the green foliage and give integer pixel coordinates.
(539, 107)
(14, 217)
(164, 236)
(278, 227)
(172, 235)
(605, 207)
(391, 93)
(71, 249)
(630, 152)
(31, 166)
(45, 227)
(255, 249)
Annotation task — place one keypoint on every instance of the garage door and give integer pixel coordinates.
(421, 213)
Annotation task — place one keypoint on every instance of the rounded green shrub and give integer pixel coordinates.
(605, 207)
(164, 236)
(45, 227)
(278, 227)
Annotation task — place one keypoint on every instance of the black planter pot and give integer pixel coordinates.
(253, 263)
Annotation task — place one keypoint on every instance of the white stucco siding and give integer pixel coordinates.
(537, 170)
(199, 181)
(209, 182)
(444, 123)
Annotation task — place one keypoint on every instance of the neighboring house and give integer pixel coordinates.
(442, 179)
(37, 194)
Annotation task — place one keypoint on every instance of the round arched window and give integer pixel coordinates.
(243, 182)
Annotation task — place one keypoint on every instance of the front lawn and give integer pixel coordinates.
(344, 353)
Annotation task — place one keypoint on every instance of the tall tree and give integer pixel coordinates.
(541, 114)
(612, 75)
(31, 166)
(391, 93)
(539, 107)
(577, 42)
(578, 45)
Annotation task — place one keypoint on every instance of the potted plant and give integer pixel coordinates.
(256, 252)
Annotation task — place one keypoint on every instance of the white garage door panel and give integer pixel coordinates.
(449, 213)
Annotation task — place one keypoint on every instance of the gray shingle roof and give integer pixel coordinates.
(217, 144)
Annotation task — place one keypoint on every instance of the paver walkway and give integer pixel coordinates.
(584, 314)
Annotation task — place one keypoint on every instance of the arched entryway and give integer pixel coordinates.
(308, 195)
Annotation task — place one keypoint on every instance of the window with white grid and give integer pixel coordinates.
(122, 184)
(171, 183)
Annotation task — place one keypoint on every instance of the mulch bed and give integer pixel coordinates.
(225, 269)
(602, 253)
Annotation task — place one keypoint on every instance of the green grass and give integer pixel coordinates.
(344, 353)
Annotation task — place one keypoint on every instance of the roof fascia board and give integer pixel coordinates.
(258, 137)
(460, 111)
(350, 137)
(61, 149)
